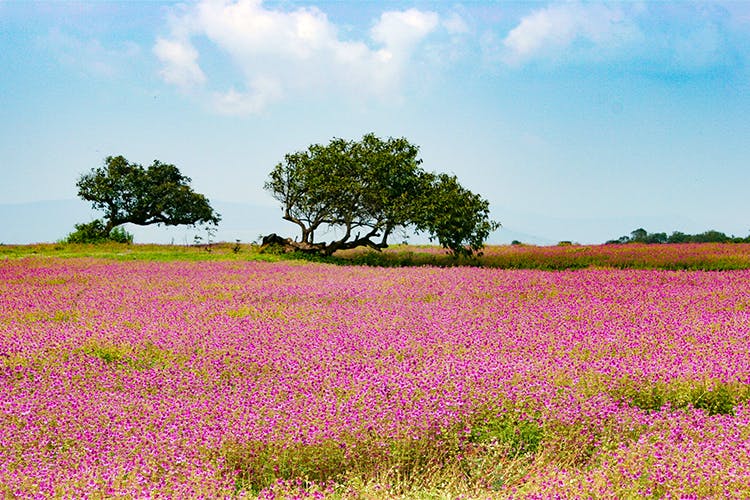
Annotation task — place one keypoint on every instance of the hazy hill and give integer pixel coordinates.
(48, 221)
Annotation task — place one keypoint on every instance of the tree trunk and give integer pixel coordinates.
(286, 245)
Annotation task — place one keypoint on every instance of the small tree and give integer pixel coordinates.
(367, 190)
(159, 194)
(639, 235)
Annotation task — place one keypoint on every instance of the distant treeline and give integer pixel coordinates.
(640, 235)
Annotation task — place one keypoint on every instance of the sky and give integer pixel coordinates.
(577, 120)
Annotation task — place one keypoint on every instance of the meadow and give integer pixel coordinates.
(130, 371)
(687, 256)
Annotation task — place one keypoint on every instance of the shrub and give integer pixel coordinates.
(120, 235)
(95, 232)
(88, 232)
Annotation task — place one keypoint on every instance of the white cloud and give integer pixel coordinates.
(401, 30)
(552, 31)
(263, 91)
(277, 53)
(180, 63)
(671, 39)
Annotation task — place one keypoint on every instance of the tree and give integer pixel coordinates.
(159, 194)
(711, 236)
(640, 235)
(366, 190)
(678, 237)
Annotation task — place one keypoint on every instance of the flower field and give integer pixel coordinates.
(683, 256)
(283, 379)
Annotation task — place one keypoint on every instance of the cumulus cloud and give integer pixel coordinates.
(262, 92)
(281, 52)
(682, 38)
(180, 63)
(554, 29)
(401, 30)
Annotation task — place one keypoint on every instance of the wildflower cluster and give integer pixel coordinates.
(683, 256)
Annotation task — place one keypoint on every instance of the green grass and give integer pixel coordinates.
(146, 252)
(710, 256)
(486, 453)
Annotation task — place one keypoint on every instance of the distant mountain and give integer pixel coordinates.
(49, 221)
(239, 221)
(539, 229)
(42, 221)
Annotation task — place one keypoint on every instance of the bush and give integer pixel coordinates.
(95, 232)
(120, 235)
(91, 232)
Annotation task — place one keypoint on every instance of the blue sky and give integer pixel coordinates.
(577, 120)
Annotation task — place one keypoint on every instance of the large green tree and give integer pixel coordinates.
(159, 194)
(366, 190)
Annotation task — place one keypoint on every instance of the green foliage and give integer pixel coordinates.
(159, 194)
(139, 357)
(454, 216)
(88, 232)
(519, 437)
(716, 401)
(640, 235)
(120, 235)
(96, 232)
(489, 451)
(108, 353)
(369, 189)
(650, 398)
(715, 398)
(712, 236)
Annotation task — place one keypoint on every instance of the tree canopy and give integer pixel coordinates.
(640, 235)
(159, 194)
(367, 190)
